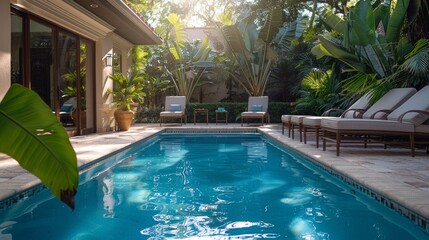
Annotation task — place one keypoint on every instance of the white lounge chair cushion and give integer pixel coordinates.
(390, 101)
(177, 102)
(362, 103)
(258, 101)
(261, 103)
(297, 119)
(419, 101)
(252, 114)
(424, 128)
(314, 121)
(171, 114)
(367, 125)
(286, 118)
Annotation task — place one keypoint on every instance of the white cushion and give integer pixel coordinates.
(297, 118)
(286, 118)
(390, 101)
(253, 114)
(419, 101)
(171, 114)
(314, 121)
(361, 104)
(367, 125)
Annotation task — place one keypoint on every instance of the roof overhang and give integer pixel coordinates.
(127, 23)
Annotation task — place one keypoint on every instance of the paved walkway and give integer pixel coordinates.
(396, 178)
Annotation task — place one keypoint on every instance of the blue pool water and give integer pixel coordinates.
(208, 187)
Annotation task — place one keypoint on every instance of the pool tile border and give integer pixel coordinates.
(413, 216)
(420, 220)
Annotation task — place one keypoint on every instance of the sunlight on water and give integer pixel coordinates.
(228, 148)
(222, 187)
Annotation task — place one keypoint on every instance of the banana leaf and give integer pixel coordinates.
(273, 23)
(341, 54)
(396, 21)
(362, 24)
(33, 136)
(333, 21)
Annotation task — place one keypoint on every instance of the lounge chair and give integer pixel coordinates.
(257, 107)
(379, 110)
(66, 111)
(174, 108)
(354, 111)
(405, 121)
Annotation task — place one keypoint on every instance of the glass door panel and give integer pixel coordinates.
(68, 79)
(41, 64)
(17, 49)
(87, 86)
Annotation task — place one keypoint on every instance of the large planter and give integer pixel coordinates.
(123, 119)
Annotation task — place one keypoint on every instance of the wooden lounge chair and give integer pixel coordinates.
(379, 110)
(354, 111)
(174, 108)
(405, 121)
(257, 107)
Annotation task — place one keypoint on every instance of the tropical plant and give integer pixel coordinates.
(187, 63)
(32, 135)
(369, 41)
(126, 90)
(252, 51)
(320, 92)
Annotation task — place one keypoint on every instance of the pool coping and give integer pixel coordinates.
(393, 194)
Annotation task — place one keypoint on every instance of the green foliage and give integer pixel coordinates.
(372, 45)
(147, 114)
(187, 63)
(275, 109)
(126, 90)
(32, 135)
(252, 51)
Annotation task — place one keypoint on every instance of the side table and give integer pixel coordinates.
(221, 120)
(201, 110)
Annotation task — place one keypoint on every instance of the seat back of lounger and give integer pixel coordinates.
(388, 103)
(258, 104)
(418, 102)
(173, 103)
(356, 109)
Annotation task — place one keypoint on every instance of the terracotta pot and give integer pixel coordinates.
(123, 119)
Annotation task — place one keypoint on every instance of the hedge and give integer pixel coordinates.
(275, 110)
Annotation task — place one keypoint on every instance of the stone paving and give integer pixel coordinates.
(392, 172)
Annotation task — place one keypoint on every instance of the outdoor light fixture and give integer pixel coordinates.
(108, 60)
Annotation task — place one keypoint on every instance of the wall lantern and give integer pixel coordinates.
(108, 60)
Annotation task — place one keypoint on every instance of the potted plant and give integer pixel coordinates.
(71, 92)
(126, 91)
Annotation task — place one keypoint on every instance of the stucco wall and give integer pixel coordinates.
(5, 47)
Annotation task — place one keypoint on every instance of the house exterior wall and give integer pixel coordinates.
(77, 21)
(5, 46)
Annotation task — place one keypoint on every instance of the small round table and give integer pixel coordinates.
(221, 120)
(201, 110)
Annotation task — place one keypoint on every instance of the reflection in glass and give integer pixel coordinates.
(16, 49)
(41, 61)
(67, 80)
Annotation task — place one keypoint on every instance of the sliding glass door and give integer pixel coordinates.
(59, 66)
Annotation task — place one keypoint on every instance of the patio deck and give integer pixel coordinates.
(390, 176)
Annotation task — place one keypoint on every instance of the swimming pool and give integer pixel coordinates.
(201, 186)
